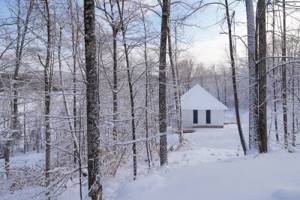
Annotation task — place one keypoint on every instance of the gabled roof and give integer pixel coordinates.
(198, 98)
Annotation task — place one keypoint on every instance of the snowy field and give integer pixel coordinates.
(213, 168)
(268, 177)
(209, 166)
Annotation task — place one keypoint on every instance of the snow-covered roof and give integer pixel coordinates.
(198, 98)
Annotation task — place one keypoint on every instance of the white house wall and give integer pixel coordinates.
(217, 118)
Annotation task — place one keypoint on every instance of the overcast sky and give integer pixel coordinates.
(209, 44)
(204, 43)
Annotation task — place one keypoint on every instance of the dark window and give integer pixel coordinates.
(208, 117)
(195, 114)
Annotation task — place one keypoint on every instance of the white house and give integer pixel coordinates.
(201, 109)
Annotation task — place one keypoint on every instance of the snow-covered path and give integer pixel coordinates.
(211, 170)
(206, 145)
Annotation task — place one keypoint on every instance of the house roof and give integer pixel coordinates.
(197, 98)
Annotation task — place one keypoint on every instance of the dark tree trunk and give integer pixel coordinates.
(234, 84)
(284, 87)
(162, 83)
(262, 79)
(47, 102)
(115, 82)
(20, 43)
(130, 86)
(274, 73)
(24, 130)
(92, 102)
(293, 107)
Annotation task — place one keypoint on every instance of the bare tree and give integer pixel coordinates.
(162, 83)
(92, 102)
(21, 29)
(216, 82)
(274, 72)
(283, 71)
(234, 84)
(47, 89)
(148, 150)
(175, 86)
(262, 136)
(130, 86)
(114, 23)
(253, 98)
(75, 37)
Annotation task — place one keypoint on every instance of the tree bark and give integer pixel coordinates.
(234, 84)
(92, 102)
(162, 83)
(262, 79)
(74, 36)
(20, 43)
(283, 70)
(274, 73)
(148, 150)
(130, 86)
(115, 82)
(253, 97)
(175, 87)
(47, 101)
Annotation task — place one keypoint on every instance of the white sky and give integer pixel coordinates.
(208, 45)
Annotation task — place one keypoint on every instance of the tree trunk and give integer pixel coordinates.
(74, 57)
(115, 82)
(130, 86)
(284, 88)
(20, 42)
(262, 79)
(175, 87)
(234, 84)
(148, 150)
(24, 130)
(92, 102)
(162, 83)
(217, 82)
(293, 107)
(47, 89)
(274, 73)
(253, 97)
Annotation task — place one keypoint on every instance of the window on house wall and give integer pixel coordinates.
(208, 117)
(195, 116)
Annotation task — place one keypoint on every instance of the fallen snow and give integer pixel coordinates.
(24, 160)
(209, 166)
(213, 168)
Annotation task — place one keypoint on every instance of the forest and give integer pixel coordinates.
(103, 99)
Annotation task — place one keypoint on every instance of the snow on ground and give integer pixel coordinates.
(26, 171)
(272, 176)
(209, 166)
(212, 167)
(206, 145)
(203, 146)
(24, 160)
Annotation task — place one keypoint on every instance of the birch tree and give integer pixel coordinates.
(252, 75)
